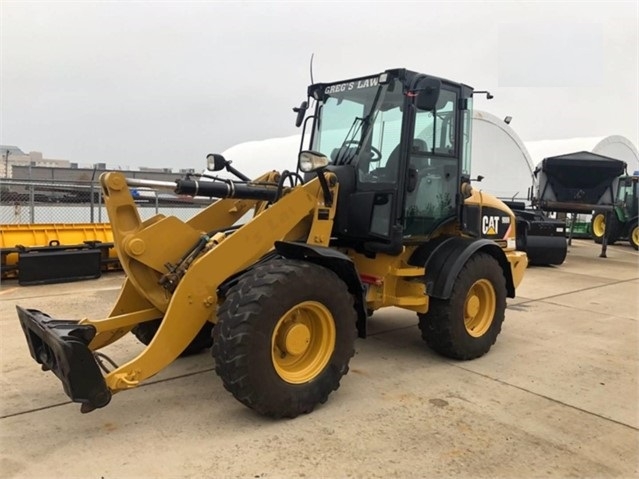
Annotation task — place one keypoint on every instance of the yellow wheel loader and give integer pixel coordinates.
(379, 213)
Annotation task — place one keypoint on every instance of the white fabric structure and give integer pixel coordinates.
(499, 155)
(614, 146)
(254, 158)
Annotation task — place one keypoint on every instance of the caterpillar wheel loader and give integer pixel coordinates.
(380, 213)
(622, 220)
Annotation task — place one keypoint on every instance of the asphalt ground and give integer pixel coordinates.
(557, 396)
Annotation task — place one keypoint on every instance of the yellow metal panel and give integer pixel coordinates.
(125, 222)
(408, 272)
(44, 233)
(320, 232)
(41, 234)
(165, 241)
(109, 328)
(518, 263)
(129, 301)
(396, 282)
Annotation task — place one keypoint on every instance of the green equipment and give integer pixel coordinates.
(621, 222)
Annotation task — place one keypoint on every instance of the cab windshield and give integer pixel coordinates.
(360, 123)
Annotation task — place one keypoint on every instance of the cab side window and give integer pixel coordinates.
(437, 128)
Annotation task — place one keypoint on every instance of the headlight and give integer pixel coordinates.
(311, 161)
(215, 162)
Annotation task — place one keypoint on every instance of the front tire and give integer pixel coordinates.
(284, 337)
(466, 325)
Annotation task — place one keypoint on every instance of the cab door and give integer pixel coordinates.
(432, 197)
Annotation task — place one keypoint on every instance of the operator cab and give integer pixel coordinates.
(399, 143)
(627, 194)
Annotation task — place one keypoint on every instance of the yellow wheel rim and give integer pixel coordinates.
(634, 236)
(303, 342)
(479, 308)
(599, 225)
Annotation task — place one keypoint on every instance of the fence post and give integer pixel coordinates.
(31, 198)
(99, 205)
(92, 203)
(157, 202)
(31, 205)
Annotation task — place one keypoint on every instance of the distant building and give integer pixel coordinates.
(13, 156)
(66, 184)
(86, 175)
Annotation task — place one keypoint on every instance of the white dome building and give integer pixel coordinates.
(500, 156)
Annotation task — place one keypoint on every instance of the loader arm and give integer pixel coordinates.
(153, 250)
(195, 299)
(137, 292)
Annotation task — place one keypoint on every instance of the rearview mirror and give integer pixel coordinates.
(301, 111)
(428, 93)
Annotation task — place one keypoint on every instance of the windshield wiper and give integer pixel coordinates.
(351, 146)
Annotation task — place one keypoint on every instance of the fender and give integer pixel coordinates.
(445, 256)
(337, 262)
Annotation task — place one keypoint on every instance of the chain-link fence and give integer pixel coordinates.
(38, 201)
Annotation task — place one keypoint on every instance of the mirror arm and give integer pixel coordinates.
(235, 172)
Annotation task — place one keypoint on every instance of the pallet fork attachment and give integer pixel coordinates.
(61, 346)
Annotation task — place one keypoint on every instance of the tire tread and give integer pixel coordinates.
(241, 311)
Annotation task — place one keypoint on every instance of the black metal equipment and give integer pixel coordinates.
(542, 238)
(576, 182)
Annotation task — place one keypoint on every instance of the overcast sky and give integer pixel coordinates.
(164, 83)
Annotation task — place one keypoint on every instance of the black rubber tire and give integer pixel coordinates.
(633, 233)
(145, 332)
(615, 226)
(443, 326)
(247, 320)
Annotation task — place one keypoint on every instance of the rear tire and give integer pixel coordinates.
(145, 332)
(633, 235)
(466, 325)
(598, 226)
(284, 337)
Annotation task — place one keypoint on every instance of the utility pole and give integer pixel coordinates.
(6, 164)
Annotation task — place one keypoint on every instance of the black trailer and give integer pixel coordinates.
(577, 183)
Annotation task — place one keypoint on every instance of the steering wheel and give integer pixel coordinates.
(376, 154)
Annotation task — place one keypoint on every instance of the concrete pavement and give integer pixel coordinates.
(557, 396)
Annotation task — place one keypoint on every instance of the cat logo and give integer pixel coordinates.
(489, 225)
